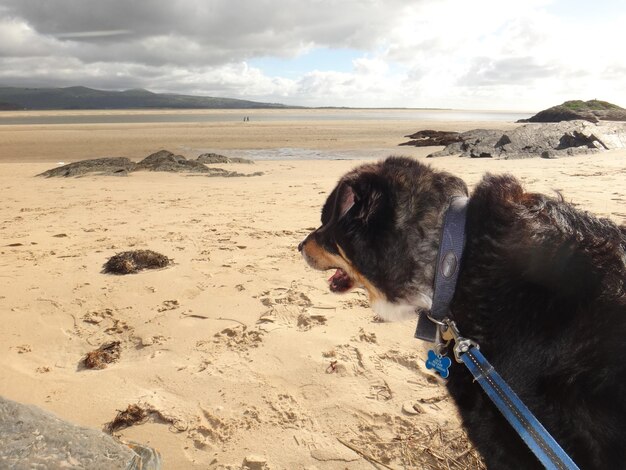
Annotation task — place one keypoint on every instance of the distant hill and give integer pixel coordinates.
(9, 107)
(79, 97)
(593, 111)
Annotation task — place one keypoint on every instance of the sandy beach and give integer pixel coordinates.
(233, 343)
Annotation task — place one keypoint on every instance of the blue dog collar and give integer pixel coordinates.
(449, 260)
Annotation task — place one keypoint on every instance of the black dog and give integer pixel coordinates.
(541, 289)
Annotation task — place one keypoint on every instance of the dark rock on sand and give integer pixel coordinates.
(430, 138)
(592, 111)
(477, 143)
(210, 158)
(33, 438)
(231, 174)
(131, 262)
(549, 140)
(164, 160)
(118, 166)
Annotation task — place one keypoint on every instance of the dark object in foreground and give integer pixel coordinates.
(131, 262)
(105, 354)
(541, 289)
(34, 438)
(430, 138)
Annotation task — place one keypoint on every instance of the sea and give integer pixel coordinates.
(77, 117)
(179, 116)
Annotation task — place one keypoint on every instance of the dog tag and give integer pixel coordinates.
(439, 364)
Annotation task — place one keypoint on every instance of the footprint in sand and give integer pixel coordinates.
(407, 360)
(287, 413)
(366, 337)
(215, 428)
(238, 338)
(289, 307)
(351, 361)
(99, 326)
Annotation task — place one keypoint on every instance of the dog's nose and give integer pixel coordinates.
(303, 242)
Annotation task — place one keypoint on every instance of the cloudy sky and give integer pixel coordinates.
(469, 54)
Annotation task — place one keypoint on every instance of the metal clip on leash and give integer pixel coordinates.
(532, 432)
(461, 344)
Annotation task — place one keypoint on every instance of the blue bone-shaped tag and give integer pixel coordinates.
(440, 364)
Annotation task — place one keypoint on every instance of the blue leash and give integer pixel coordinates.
(431, 326)
(532, 432)
(542, 444)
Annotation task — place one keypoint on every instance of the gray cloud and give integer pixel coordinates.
(92, 34)
(203, 32)
(415, 53)
(484, 71)
(180, 46)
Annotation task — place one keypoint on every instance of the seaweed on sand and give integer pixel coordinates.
(105, 354)
(140, 413)
(131, 262)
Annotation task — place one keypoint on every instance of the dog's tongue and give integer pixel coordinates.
(340, 281)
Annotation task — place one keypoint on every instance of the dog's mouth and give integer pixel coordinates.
(340, 281)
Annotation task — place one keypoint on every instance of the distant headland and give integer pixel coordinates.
(80, 97)
(592, 110)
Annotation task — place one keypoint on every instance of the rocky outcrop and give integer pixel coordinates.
(430, 138)
(118, 166)
(549, 140)
(210, 158)
(592, 111)
(163, 160)
(33, 438)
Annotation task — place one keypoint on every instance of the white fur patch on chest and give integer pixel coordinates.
(390, 311)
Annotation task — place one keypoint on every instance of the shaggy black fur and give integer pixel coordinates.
(541, 289)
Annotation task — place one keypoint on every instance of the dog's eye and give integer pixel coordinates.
(326, 239)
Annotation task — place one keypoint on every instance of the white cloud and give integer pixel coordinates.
(499, 54)
(19, 39)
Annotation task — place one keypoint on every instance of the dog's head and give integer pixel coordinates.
(380, 231)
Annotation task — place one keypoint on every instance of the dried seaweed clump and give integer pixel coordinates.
(105, 354)
(134, 414)
(139, 414)
(131, 262)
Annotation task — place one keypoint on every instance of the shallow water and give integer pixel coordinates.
(294, 153)
(83, 117)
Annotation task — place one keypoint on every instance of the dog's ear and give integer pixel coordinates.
(345, 200)
(369, 196)
(339, 202)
